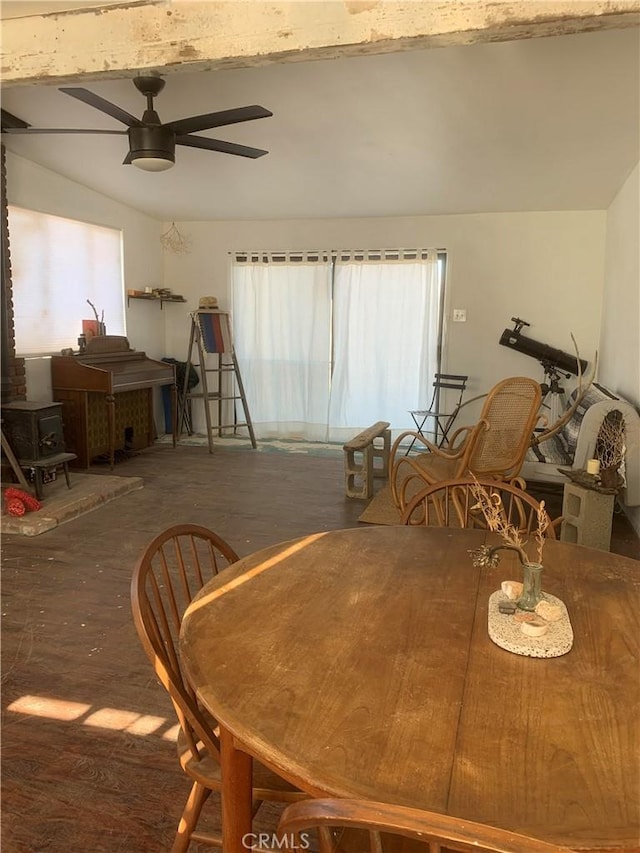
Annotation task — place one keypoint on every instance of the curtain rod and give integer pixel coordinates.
(316, 254)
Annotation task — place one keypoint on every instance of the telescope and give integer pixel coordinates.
(552, 360)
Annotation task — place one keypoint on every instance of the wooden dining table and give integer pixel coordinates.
(357, 663)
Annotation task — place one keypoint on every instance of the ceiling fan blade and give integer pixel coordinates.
(103, 105)
(224, 117)
(219, 145)
(127, 160)
(13, 130)
(12, 122)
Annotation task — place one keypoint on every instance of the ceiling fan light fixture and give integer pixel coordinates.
(152, 149)
(149, 162)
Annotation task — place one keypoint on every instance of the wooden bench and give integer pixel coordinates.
(359, 455)
(39, 466)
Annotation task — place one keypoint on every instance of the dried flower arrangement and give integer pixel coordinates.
(496, 518)
(610, 447)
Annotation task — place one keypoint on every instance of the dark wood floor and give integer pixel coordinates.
(87, 760)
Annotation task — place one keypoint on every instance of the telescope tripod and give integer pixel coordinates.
(553, 400)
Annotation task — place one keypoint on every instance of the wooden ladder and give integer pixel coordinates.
(211, 335)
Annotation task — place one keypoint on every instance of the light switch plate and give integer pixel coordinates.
(459, 315)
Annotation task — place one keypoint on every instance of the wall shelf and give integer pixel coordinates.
(150, 297)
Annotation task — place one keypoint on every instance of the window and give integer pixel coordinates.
(331, 342)
(57, 265)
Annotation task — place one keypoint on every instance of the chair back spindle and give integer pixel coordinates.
(453, 503)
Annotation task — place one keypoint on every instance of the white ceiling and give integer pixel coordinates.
(540, 124)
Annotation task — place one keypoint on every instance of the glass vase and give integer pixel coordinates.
(531, 586)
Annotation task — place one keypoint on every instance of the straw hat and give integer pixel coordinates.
(208, 302)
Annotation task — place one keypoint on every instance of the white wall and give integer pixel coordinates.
(36, 188)
(620, 333)
(544, 267)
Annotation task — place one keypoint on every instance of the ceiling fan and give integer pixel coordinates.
(151, 143)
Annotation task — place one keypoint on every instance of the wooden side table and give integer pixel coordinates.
(587, 516)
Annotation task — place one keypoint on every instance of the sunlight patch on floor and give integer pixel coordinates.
(114, 719)
(55, 709)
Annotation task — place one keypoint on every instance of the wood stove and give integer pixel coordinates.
(35, 434)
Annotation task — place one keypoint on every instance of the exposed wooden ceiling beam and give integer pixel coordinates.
(116, 41)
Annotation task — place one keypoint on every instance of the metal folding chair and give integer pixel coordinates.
(442, 419)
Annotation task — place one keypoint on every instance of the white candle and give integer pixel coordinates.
(593, 467)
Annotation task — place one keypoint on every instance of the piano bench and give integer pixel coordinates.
(39, 466)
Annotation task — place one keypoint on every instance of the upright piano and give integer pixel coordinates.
(107, 397)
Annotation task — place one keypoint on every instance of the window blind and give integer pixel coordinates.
(58, 264)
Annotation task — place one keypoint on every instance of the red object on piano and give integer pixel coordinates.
(90, 328)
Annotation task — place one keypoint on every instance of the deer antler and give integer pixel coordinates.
(538, 438)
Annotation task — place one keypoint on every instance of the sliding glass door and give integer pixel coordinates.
(329, 343)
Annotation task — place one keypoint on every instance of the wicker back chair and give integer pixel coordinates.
(347, 826)
(494, 448)
(172, 569)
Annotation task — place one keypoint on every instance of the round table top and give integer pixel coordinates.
(357, 663)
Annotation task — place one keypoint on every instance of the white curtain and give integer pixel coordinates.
(281, 320)
(385, 325)
(329, 345)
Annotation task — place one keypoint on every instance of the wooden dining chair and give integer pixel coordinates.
(494, 447)
(452, 503)
(362, 826)
(171, 570)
